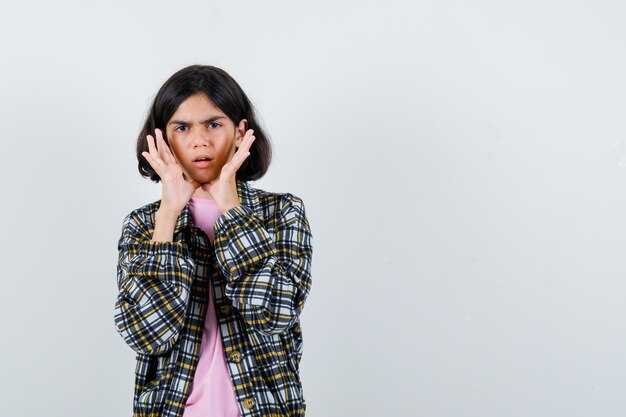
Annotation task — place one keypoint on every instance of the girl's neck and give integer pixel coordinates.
(200, 193)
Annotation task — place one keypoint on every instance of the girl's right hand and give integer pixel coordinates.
(177, 191)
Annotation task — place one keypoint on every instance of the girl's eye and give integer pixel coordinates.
(185, 127)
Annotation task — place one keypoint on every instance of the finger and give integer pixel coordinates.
(244, 147)
(238, 160)
(154, 164)
(164, 149)
(246, 143)
(248, 137)
(154, 154)
(239, 157)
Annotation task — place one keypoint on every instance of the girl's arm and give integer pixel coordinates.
(154, 281)
(268, 275)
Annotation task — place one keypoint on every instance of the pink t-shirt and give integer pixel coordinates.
(212, 392)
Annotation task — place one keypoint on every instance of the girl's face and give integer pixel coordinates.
(199, 128)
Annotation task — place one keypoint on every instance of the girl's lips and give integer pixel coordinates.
(202, 164)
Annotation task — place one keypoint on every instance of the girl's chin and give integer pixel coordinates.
(203, 178)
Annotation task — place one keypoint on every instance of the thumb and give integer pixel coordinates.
(233, 151)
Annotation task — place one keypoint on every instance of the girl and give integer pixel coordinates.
(212, 277)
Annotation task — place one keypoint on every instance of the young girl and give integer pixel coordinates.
(213, 276)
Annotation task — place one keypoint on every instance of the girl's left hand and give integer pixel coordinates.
(223, 190)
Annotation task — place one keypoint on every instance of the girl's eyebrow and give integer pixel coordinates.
(182, 122)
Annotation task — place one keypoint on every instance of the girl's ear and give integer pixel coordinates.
(241, 131)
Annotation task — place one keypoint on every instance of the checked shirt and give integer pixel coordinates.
(260, 270)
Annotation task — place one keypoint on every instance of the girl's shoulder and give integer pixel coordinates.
(273, 204)
(268, 205)
(145, 212)
(248, 190)
(140, 221)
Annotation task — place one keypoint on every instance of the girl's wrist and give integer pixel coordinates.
(165, 222)
(166, 213)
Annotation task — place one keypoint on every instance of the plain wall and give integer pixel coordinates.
(462, 165)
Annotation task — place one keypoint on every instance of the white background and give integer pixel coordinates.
(462, 164)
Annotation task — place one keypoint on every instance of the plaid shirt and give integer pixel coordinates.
(260, 269)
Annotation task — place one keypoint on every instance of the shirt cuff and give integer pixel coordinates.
(145, 254)
(236, 216)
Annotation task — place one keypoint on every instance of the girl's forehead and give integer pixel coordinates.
(197, 101)
(198, 106)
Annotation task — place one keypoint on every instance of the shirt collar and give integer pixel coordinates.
(248, 196)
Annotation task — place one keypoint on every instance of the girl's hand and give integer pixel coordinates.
(176, 189)
(223, 190)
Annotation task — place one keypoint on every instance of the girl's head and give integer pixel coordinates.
(202, 110)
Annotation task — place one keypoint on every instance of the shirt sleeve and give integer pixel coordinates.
(268, 274)
(154, 282)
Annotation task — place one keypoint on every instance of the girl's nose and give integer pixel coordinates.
(200, 138)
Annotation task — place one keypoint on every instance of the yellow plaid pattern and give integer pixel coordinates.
(260, 270)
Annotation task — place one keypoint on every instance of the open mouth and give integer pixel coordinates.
(202, 161)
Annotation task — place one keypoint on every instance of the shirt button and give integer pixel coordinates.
(249, 403)
(235, 356)
(225, 309)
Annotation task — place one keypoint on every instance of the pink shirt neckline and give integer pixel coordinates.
(202, 199)
(212, 390)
